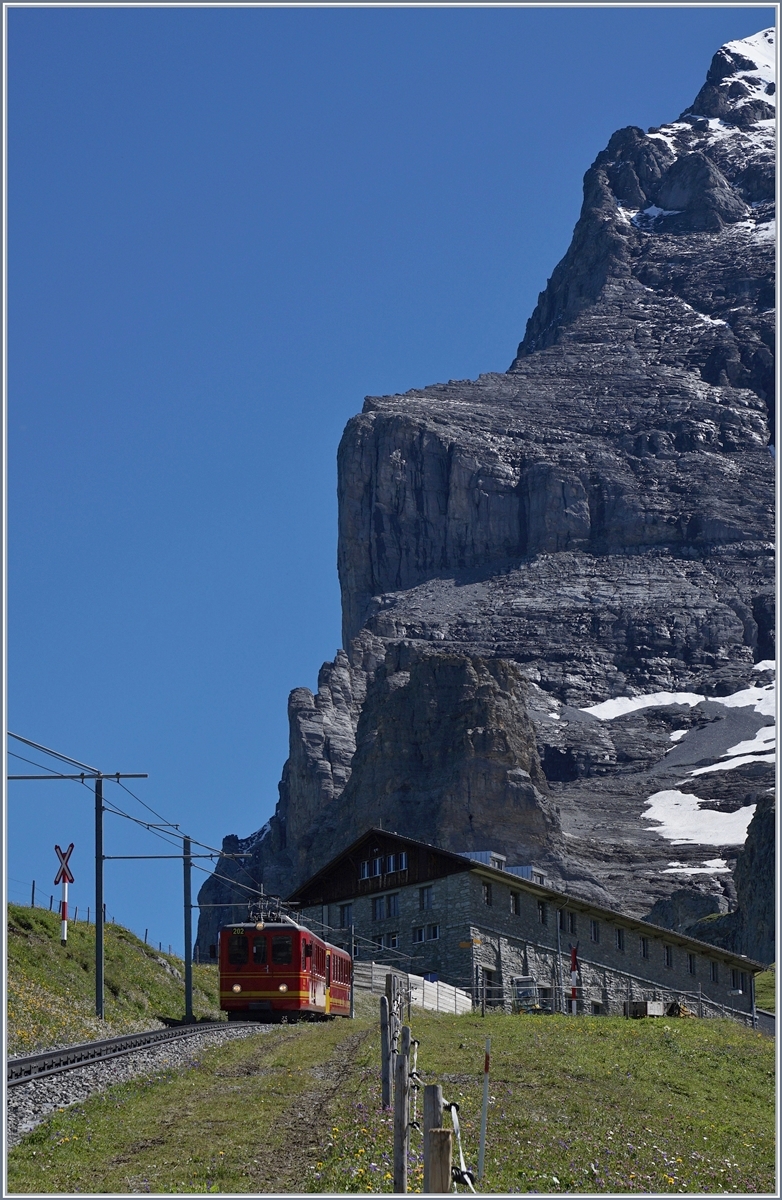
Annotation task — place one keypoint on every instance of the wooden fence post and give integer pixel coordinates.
(440, 1161)
(385, 1054)
(394, 1017)
(433, 1119)
(402, 1112)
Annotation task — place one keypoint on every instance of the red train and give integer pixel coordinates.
(275, 969)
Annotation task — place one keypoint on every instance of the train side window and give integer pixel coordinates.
(282, 949)
(259, 950)
(238, 949)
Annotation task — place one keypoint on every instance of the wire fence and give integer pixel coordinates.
(30, 899)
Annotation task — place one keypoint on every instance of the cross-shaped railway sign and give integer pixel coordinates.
(64, 874)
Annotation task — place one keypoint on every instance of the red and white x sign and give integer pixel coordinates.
(64, 871)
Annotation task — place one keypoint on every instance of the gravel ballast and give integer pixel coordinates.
(30, 1103)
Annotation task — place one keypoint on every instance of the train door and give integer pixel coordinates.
(328, 981)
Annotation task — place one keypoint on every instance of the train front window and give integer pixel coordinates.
(259, 950)
(282, 949)
(238, 949)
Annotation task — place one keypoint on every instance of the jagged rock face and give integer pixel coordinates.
(444, 742)
(598, 521)
(750, 929)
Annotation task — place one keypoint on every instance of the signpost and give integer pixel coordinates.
(64, 876)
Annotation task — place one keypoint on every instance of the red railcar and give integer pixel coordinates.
(277, 968)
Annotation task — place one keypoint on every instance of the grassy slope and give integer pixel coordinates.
(51, 988)
(765, 989)
(589, 1105)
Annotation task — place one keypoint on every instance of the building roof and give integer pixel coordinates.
(458, 862)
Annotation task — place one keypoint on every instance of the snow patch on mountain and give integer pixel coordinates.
(680, 819)
(711, 866)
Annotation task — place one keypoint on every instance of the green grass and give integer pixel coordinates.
(594, 1104)
(243, 1120)
(765, 989)
(51, 988)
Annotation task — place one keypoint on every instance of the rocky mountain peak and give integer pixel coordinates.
(558, 581)
(740, 87)
(710, 169)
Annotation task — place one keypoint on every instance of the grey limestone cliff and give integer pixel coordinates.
(596, 522)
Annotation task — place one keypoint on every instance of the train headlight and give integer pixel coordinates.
(237, 987)
(259, 925)
(283, 987)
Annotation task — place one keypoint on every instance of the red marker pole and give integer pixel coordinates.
(573, 980)
(64, 877)
(64, 923)
(485, 1108)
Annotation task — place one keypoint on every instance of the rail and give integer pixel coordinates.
(53, 1062)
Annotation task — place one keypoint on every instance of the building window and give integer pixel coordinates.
(432, 933)
(391, 941)
(668, 955)
(536, 878)
(376, 866)
(571, 922)
(363, 871)
(487, 894)
(392, 905)
(619, 935)
(345, 916)
(515, 903)
(562, 920)
(738, 981)
(378, 908)
(691, 963)
(378, 941)
(594, 931)
(714, 972)
(425, 897)
(596, 1008)
(543, 912)
(644, 947)
(418, 935)
(396, 862)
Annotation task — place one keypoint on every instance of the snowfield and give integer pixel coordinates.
(681, 820)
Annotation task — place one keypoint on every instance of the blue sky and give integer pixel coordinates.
(227, 226)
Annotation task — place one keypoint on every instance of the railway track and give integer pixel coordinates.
(54, 1062)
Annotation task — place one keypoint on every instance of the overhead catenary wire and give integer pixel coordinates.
(54, 753)
(115, 810)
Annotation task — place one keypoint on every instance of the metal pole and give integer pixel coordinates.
(352, 997)
(484, 1109)
(64, 912)
(188, 932)
(100, 911)
(32, 901)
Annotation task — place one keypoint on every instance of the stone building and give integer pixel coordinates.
(502, 932)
